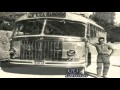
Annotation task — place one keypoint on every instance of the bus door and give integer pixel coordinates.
(88, 53)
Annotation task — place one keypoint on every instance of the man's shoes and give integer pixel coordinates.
(104, 77)
(98, 76)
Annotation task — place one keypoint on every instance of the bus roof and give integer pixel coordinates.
(69, 16)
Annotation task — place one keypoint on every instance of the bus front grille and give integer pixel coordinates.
(41, 50)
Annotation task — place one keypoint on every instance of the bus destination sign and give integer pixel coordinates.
(47, 14)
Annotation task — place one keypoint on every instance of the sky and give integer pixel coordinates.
(117, 18)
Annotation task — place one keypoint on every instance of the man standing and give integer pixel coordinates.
(104, 52)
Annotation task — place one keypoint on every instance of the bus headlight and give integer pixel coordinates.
(12, 53)
(71, 52)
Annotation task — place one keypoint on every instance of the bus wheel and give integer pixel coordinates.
(4, 64)
(89, 59)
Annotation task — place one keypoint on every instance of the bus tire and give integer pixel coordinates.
(5, 64)
(89, 59)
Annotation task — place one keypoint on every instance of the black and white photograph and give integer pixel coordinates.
(59, 44)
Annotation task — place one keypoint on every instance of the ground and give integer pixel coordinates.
(114, 71)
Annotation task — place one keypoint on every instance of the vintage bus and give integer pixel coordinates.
(53, 39)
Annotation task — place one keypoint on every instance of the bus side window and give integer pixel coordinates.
(91, 31)
(88, 31)
(98, 32)
(95, 32)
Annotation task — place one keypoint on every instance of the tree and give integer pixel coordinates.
(9, 17)
(107, 26)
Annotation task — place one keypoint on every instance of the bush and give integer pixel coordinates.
(6, 23)
(4, 43)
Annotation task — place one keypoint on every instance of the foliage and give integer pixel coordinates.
(7, 20)
(103, 23)
(6, 23)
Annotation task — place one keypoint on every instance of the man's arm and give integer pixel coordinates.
(113, 50)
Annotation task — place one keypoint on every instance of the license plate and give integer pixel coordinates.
(39, 63)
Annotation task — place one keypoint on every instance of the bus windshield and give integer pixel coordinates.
(51, 27)
(64, 28)
(30, 27)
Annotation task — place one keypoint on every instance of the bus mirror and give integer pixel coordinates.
(87, 36)
(85, 40)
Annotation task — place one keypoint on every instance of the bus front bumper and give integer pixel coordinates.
(58, 64)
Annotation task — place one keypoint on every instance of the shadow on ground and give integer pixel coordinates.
(32, 70)
(91, 74)
(37, 70)
(116, 65)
